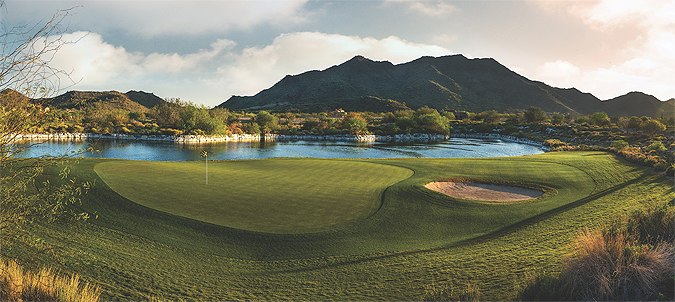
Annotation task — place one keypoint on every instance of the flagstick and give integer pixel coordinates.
(206, 158)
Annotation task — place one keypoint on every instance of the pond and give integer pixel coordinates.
(159, 151)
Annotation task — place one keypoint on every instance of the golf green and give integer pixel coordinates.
(271, 196)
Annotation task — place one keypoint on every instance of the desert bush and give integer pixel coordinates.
(490, 117)
(557, 119)
(542, 287)
(619, 145)
(46, 285)
(634, 123)
(615, 266)
(170, 131)
(657, 146)
(509, 129)
(554, 143)
(582, 120)
(534, 115)
(631, 258)
(355, 124)
(599, 119)
(652, 127)
(483, 128)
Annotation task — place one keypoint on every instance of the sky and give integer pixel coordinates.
(207, 51)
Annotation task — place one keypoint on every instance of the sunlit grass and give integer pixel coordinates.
(416, 239)
(16, 284)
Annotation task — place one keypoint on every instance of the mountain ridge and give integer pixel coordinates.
(131, 100)
(447, 82)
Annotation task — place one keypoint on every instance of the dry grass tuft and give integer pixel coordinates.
(435, 292)
(46, 285)
(615, 266)
(632, 258)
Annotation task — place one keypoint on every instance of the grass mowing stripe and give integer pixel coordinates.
(138, 253)
(274, 196)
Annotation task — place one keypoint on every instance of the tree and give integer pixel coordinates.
(557, 119)
(26, 195)
(599, 119)
(634, 123)
(652, 127)
(534, 115)
(433, 122)
(355, 124)
(267, 121)
(490, 117)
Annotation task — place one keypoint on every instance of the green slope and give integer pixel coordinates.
(418, 238)
(273, 196)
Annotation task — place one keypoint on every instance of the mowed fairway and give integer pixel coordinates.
(273, 196)
(417, 240)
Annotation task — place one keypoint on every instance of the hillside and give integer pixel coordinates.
(9, 95)
(449, 82)
(638, 104)
(132, 100)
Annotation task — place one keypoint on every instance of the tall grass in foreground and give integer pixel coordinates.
(46, 285)
(630, 259)
(435, 292)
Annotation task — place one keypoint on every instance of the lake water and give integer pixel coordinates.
(154, 151)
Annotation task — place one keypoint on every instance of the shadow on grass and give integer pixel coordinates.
(480, 239)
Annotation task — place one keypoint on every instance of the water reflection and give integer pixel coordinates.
(159, 151)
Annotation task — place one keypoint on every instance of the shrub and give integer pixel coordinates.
(630, 259)
(582, 120)
(170, 131)
(545, 288)
(484, 128)
(554, 143)
(657, 146)
(17, 285)
(509, 129)
(619, 145)
(534, 115)
(652, 127)
(599, 119)
(251, 128)
(615, 266)
(634, 123)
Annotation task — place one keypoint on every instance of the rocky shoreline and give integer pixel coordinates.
(198, 139)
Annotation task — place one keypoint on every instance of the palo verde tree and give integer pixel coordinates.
(25, 75)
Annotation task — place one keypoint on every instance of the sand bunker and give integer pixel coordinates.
(486, 192)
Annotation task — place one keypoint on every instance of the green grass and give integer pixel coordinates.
(419, 239)
(273, 196)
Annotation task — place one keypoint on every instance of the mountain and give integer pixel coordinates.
(638, 104)
(448, 82)
(132, 100)
(9, 95)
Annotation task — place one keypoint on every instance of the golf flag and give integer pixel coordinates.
(204, 155)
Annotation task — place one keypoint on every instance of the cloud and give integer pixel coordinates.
(608, 82)
(444, 38)
(257, 68)
(210, 76)
(92, 62)
(647, 63)
(558, 69)
(432, 8)
(160, 18)
(175, 63)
